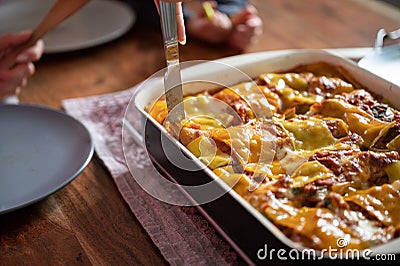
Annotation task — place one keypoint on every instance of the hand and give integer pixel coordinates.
(11, 80)
(215, 29)
(179, 18)
(247, 27)
(238, 31)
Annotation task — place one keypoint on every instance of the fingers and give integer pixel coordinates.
(179, 19)
(242, 16)
(14, 39)
(247, 28)
(18, 75)
(12, 80)
(181, 24)
(215, 31)
(255, 25)
(157, 2)
(244, 35)
(32, 54)
(10, 46)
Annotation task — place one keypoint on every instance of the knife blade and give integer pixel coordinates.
(172, 77)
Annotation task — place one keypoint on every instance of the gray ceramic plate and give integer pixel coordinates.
(98, 22)
(41, 151)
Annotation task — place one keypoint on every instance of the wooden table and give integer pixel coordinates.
(88, 222)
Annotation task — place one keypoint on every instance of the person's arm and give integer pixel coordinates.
(11, 80)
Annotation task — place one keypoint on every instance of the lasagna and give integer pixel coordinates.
(314, 152)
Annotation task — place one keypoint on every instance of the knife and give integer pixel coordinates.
(172, 77)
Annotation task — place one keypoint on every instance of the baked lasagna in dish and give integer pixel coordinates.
(313, 151)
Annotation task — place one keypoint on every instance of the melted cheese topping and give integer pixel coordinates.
(394, 145)
(319, 225)
(358, 120)
(380, 201)
(309, 134)
(301, 156)
(254, 96)
(309, 172)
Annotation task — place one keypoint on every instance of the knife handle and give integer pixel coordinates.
(168, 21)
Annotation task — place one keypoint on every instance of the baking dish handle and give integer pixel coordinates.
(383, 37)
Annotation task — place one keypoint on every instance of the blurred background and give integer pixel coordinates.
(112, 37)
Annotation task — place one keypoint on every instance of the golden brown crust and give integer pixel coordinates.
(326, 162)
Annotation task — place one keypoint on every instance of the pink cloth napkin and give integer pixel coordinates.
(182, 234)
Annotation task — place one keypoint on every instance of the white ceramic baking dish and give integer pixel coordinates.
(244, 227)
